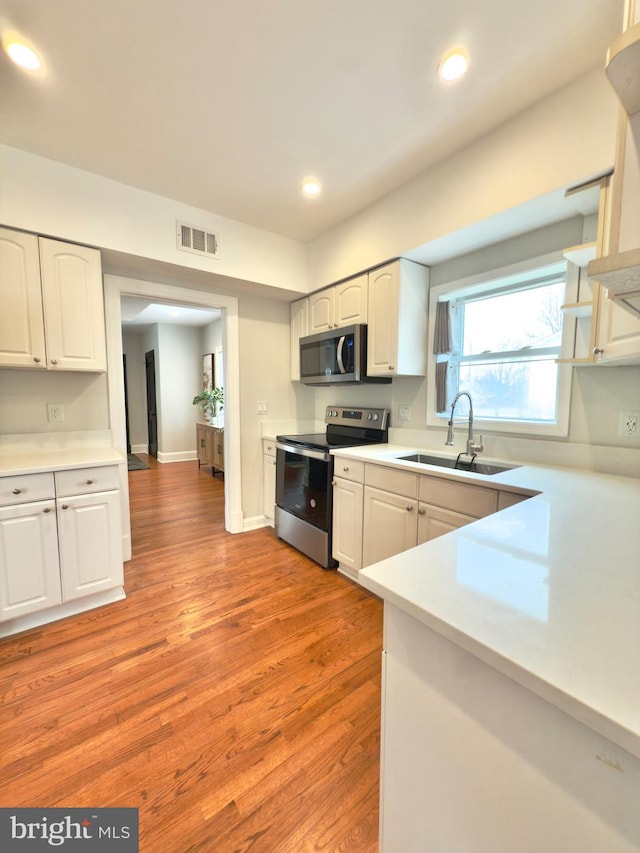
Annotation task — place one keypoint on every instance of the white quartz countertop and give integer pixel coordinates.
(33, 460)
(546, 591)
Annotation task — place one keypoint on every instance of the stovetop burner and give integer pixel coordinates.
(346, 427)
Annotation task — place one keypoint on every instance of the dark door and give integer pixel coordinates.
(152, 414)
(126, 401)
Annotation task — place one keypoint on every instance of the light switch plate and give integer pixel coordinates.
(404, 412)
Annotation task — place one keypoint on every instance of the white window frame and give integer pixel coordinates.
(484, 283)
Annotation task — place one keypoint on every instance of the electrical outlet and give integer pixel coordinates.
(629, 423)
(404, 412)
(261, 407)
(55, 412)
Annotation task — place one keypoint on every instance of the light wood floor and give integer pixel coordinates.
(233, 696)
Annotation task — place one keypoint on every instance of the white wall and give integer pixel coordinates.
(179, 378)
(24, 395)
(50, 198)
(132, 344)
(560, 141)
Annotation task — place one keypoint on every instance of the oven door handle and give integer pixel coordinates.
(341, 366)
(303, 451)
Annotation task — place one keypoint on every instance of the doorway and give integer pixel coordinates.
(152, 410)
(117, 286)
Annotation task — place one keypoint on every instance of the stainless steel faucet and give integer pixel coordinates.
(472, 447)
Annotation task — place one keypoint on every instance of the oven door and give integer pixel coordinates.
(303, 483)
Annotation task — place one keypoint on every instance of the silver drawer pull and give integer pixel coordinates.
(88, 482)
(65, 506)
(36, 359)
(409, 508)
(47, 509)
(421, 512)
(345, 469)
(17, 491)
(54, 361)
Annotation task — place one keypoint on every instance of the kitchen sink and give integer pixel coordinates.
(475, 467)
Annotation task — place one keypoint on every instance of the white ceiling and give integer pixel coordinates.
(227, 106)
(138, 313)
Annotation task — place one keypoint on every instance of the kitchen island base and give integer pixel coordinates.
(473, 761)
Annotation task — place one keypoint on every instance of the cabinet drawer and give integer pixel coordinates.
(506, 499)
(391, 480)
(349, 469)
(23, 488)
(82, 481)
(269, 447)
(460, 497)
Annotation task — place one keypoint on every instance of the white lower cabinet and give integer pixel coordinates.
(347, 523)
(90, 543)
(380, 511)
(60, 538)
(29, 565)
(269, 478)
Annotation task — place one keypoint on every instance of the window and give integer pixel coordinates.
(506, 334)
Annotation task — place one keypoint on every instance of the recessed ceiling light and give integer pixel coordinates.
(311, 187)
(20, 52)
(453, 65)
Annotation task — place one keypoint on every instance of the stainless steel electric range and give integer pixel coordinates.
(304, 474)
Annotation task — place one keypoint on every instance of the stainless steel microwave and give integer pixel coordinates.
(335, 357)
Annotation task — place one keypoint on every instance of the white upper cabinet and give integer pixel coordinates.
(21, 317)
(52, 314)
(299, 328)
(397, 339)
(343, 304)
(73, 307)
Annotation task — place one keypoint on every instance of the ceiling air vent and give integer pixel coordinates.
(191, 238)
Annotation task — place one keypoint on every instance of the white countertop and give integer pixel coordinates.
(33, 460)
(547, 591)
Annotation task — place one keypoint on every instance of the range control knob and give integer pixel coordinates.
(375, 416)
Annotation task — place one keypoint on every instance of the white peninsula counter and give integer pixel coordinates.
(511, 671)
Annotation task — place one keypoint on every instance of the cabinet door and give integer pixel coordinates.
(347, 523)
(21, 318)
(618, 333)
(201, 444)
(29, 568)
(73, 306)
(382, 339)
(299, 328)
(321, 310)
(390, 525)
(433, 521)
(351, 300)
(90, 544)
(269, 485)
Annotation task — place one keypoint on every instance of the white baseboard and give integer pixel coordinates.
(179, 456)
(139, 448)
(255, 523)
(61, 611)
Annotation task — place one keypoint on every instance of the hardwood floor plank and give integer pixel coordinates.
(233, 696)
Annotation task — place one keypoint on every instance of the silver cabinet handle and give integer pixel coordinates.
(54, 361)
(65, 506)
(409, 508)
(17, 491)
(421, 512)
(36, 359)
(598, 351)
(391, 367)
(346, 468)
(47, 509)
(88, 482)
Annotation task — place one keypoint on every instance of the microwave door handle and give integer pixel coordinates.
(339, 354)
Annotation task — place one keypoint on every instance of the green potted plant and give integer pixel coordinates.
(211, 402)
